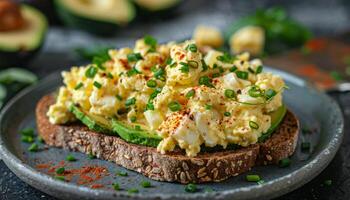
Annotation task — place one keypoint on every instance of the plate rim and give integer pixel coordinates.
(32, 176)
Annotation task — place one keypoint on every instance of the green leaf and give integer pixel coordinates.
(12, 75)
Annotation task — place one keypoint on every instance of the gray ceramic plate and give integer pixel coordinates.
(314, 109)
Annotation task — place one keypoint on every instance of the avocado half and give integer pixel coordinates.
(145, 138)
(160, 8)
(96, 16)
(18, 47)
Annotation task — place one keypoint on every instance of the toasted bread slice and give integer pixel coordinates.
(174, 166)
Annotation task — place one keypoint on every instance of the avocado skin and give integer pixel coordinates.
(276, 118)
(96, 27)
(145, 14)
(17, 58)
(10, 58)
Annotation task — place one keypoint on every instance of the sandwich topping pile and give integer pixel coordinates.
(173, 94)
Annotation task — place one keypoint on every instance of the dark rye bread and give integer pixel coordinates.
(172, 167)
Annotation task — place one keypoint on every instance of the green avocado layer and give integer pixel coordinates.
(143, 137)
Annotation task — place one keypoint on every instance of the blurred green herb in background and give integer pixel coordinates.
(281, 31)
(12, 80)
(86, 53)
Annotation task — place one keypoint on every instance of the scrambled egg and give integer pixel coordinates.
(191, 99)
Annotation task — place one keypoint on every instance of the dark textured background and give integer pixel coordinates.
(325, 18)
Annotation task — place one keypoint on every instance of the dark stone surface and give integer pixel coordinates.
(324, 17)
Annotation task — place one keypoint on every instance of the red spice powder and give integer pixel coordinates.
(43, 166)
(96, 186)
(321, 78)
(316, 44)
(85, 175)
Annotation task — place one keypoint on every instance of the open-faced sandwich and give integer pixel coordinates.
(172, 112)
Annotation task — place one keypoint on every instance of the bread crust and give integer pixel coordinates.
(174, 166)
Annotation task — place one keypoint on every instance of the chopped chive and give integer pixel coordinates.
(242, 75)
(193, 63)
(191, 188)
(215, 75)
(80, 85)
(33, 148)
(305, 146)
(255, 91)
(133, 57)
(154, 94)
(230, 93)
(184, 67)
(91, 72)
(146, 184)
(130, 101)
(133, 190)
(40, 139)
(260, 182)
(97, 84)
(233, 69)
(99, 61)
(221, 70)
(122, 173)
(149, 106)
(61, 178)
(109, 75)
(208, 189)
(27, 132)
(174, 106)
(285, 162)
(116, 186)
(205, 80)
(172, 65)
(259, 69)
(204, 66)
(138, 128)
(251, 70)
(253, 178)
(253, 125)
(328, 182)
(133, 119)
(91, 156)
(190, 93)
(132, 72)
(27, 139)
(60, 170)
(226, 58)
(120, 98)
(169, 61)
(208, 107)
(159, 74)
(227, 114)
(270, 93)
(192, 48)
(149, 40)
(70, 158)
(151, 83)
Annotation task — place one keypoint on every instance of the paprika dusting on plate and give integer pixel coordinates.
(316, 44)
(85, 175)
(321, 78)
